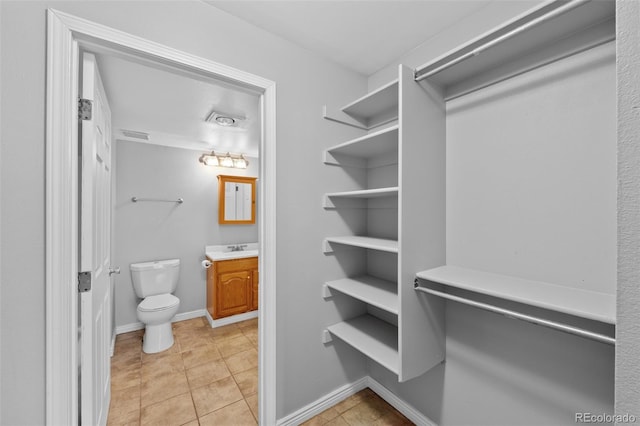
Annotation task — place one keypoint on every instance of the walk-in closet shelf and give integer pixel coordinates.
(405, 122)
(374, 291)
(371, 336)
(380, 244)
(372, 110)
(568, 300)
(360, 151)
(399, 161)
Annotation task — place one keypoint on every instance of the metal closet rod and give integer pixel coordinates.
(523, 317)
(425, 72)
(162, 200)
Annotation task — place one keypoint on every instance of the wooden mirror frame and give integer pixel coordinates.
(222, 180)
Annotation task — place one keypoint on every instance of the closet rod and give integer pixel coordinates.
(529, 69)
(162, 200)
(429, 70)
(524, 317)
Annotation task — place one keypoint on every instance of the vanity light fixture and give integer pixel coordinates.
(240, 163)
(209, 159)
(228, 160)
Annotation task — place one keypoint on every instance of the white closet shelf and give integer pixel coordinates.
(573, 301)
(379, 102)
(382, 142)
(358, 199)
(545, 34)
(366, 193)
(373, 337)
(380, 244)
(374, 291)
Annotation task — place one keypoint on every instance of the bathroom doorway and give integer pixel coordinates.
(67, 36)
(167, 126)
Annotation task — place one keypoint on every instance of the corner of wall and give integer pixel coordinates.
(627, 393)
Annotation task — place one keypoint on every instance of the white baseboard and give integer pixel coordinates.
(189, 315)
(309, 411)
(324, 403)
(179, 317)
(230, 320)
(399, 404)
(127, 328)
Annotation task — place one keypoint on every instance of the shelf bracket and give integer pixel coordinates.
(326, 336)
(326, 292)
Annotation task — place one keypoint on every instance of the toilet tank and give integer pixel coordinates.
(156, 277)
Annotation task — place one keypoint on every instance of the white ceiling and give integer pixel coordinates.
(171, 107)
(360, 35)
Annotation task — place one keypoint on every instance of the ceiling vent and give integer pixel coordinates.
(222, 119)
(135, 135)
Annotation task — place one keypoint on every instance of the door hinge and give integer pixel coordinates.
(84, 109)
(84, 281)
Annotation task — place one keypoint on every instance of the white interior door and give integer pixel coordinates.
(95, 248)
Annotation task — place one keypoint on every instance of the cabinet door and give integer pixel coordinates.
(254, 288)
(233, 293)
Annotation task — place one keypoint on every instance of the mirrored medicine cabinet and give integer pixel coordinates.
(237, 200)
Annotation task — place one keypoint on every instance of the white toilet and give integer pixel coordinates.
(154, 282)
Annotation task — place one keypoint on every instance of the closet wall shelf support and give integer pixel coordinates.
(520, 316)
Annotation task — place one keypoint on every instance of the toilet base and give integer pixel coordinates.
(157, 338)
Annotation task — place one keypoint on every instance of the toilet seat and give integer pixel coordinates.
(158, 302)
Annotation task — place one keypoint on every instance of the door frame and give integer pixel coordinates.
(65, 33)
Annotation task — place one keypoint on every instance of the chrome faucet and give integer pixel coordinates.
(239, 247)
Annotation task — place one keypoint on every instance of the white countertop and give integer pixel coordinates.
(223, 252)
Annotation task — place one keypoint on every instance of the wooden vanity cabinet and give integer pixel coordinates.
(232, 287)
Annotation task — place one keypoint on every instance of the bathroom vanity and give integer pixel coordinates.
(232, 279)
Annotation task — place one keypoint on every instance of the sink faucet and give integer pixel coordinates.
(239, 247)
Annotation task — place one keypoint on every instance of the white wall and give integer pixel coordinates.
(628, 332)
(304, 83)
(531, 175)
(153, 231)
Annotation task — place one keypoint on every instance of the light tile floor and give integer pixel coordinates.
(210, 377)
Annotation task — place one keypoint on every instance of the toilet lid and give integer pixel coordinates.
(158, 302)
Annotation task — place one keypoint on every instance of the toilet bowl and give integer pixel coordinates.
(154, 282)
